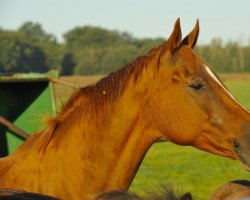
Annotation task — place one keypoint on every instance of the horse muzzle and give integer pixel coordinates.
(242, 156)
(242, 147)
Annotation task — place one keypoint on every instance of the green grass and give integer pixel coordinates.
(188, 169)
(240, 90)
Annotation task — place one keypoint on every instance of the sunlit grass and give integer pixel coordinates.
(240, 90)
(186, 169)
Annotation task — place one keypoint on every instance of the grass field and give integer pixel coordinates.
(185, 168)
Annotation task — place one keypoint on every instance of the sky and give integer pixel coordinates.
(227, 19)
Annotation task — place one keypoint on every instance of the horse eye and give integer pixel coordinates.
(197, 86)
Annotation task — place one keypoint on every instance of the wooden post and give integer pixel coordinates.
(13, 128)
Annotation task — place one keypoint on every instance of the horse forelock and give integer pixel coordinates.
(190, 61)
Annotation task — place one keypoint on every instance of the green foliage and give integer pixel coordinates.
(67, 64)
(35, 34)
(230, 57)
(29, 49)
(99, 51)
(20, 56)
(94, 60)
(88, 36)
(95, 50)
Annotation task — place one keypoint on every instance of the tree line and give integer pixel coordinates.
(94, 50)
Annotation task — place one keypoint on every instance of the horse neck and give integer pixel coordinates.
(108, 145)
(94, 144)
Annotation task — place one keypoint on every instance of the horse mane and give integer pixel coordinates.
(106, 90)
(165, 193)
(111, 87)
(98, 96)
(15, 194)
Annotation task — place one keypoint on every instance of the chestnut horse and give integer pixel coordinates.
(98, 140)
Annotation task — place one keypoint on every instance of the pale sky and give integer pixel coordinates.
(227, 19)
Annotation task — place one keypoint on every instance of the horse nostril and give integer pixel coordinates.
(236, 143)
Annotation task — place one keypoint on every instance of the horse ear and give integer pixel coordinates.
(191, 39)
(175, 38)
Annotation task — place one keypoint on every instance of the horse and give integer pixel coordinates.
(234, 190)
(98, 140)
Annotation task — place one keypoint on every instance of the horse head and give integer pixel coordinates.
(189, 105)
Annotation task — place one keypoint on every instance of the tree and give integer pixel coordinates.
(91, 50)
(17, 55)
(35, 34)
(96, 50)
(68, 64)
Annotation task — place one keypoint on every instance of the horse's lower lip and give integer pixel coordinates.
(244, 161)
(245, 166)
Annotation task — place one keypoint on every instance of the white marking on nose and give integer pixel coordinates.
(212, 75)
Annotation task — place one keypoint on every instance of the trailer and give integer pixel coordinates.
(24, 100)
